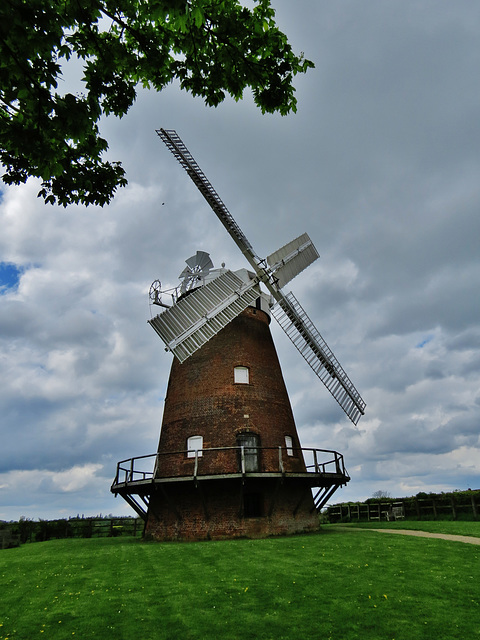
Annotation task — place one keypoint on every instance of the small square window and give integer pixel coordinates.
(241, 375)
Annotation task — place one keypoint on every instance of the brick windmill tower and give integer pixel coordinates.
(229, 461)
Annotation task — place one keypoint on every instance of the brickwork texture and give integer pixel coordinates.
(203, 399)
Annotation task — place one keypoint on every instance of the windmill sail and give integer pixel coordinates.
(291, 259)
(279, 268)
(194, 319)
(175, 144)
(294, 320)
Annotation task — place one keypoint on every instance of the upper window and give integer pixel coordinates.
(241, 375)
(289, 445)
(194, 446)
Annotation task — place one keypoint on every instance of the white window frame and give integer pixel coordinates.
(194, 446)
(241, 375)
(289, 445)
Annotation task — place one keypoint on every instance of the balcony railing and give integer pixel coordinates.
(224, 461)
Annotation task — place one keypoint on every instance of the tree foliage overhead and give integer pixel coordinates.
(212, 47)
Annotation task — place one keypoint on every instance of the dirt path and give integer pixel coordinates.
(423, 534)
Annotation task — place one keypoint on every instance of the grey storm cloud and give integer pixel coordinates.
(380, 166)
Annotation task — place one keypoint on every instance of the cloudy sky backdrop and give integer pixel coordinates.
(381, 166)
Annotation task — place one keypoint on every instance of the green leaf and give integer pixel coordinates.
(213, 49)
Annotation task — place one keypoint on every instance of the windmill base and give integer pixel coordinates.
(247, 509)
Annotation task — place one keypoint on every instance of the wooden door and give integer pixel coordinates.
(251, 452)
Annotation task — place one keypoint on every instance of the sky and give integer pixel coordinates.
(380, 166)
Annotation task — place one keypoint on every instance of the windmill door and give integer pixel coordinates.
(249, 454)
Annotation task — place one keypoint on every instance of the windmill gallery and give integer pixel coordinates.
(229, 461)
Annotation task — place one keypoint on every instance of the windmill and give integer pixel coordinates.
(221, 430)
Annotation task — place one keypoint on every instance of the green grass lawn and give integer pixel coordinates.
(337, 584)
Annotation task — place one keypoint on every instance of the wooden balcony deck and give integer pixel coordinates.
(137, 478)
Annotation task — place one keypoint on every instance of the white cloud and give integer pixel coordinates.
(380, 166)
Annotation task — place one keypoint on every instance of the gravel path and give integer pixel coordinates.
(423, 534)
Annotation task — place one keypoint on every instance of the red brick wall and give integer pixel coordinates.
(217, 512)
(202, 399)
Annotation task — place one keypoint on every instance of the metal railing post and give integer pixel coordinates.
(195, 470)
(315, 461)
(337, 463)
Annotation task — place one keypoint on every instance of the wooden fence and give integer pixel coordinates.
(441, 507)
(26, 530)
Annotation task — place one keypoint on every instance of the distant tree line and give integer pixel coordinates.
(28, 530)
